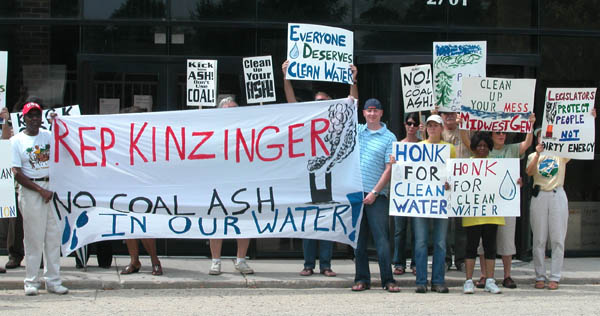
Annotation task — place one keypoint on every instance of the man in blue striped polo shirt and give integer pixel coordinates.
(375, 142)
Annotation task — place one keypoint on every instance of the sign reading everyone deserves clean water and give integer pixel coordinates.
(319, 53)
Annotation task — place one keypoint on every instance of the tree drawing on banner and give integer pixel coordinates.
(443, 88)
(341, 140)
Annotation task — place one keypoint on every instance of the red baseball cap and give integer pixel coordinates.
(31, 106)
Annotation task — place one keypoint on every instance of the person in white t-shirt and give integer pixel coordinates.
(30, 165)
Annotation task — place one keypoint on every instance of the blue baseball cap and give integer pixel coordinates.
(373, 104)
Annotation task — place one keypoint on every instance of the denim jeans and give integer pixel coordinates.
(399, 258)
(310, 253)
(421, 228)
(375, 221)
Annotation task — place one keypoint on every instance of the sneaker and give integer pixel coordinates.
(490, 286)
(57, 289)
(31, 290)
(244, 268)
(440, 288)
(421, 289)
(469, 287)
(215, 268)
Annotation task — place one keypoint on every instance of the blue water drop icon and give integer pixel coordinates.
(82, 219)
(66, 232)
(294, 53)
(75, 240)
(352, 235)
(508, 188)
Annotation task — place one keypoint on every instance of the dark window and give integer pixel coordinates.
(505, 13)
(124, 39)
(399, 12)
(396, 41)
(575, 14)
(225, 41)
(306, 11)
(124, 9)
(213, 10)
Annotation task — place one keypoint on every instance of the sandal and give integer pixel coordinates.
(481, 283)
(306, 272)
(328, 272)
(399, 271)
(157, 269)
(392, 287)
(539, 284)
(360, 286)
(553, 285)
(130, 268)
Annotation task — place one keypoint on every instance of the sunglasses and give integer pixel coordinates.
(413, 124)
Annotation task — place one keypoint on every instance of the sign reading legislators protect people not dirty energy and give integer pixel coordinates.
(201, 82)
(484, 187)
(452, 63)
(275, 171)
(417, 88)
(8, 207)
(497, 104)
(319, 53)
(568, 128)
(18, 123)
(258, 75)
(418, 179)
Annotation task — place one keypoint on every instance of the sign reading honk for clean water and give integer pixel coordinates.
(319, 53)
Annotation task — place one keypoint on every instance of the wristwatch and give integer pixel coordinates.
(375, 192)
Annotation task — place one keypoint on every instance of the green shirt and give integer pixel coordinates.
(508, 151)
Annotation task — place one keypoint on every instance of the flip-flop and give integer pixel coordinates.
(539, 285)
(360, 286)
(391, 287)
(157, 269)
(130, 268)
(553, 285)
(399, 271)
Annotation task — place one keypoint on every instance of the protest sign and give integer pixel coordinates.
(418, 179)
(453, 62)
(319, 53)
(497, 104)
(3, 76)
(18, 123)
(201, 82)
(417, 88)
(8, 207)
(484, 187)
(274, 171)
(568, 128)
(258, 74)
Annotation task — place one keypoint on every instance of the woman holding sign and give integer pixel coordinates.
(549, 212)
(484, 228)
(506, 234)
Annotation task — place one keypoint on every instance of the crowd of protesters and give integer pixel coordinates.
(35, 235)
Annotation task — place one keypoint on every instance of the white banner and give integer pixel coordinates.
(18, 123)
(484, 187)
(417, 88)
(453, 62)
(8, 207)
(418, 179)
(258, 75)
(497, 104)
(201, 82)
(319, 53)
(568, 128)
(3, 78)
(287, 170)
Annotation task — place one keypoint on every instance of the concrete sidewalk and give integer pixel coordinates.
(280, 273)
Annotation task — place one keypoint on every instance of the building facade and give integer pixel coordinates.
(84, 51)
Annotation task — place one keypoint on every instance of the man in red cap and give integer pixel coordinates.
(30, 156)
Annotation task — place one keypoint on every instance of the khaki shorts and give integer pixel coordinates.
(505, 238)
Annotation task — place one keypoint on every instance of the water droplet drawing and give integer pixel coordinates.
(294, 53)
(508, 187)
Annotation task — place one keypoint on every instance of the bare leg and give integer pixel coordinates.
(215, 248)
(507, 262)
(150, 245)
(242, 247)
(490, 267)
(134, 252)
(470, 266)
(483, 267)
